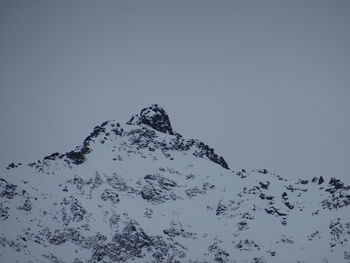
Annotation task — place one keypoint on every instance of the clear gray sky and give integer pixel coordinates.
(266, 83)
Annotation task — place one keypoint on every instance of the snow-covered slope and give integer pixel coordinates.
(141, 192)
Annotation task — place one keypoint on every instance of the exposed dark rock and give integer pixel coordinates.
(150, 194)
(254, 190)
(176, 230)
(264, 185)
(247, 245)
(320, 180)
(118, 183)
(338, 232)
(76, 157)
(339, 195)
(156, 194)
(313, 235)
(52, 258)
(81, 184)
(259, 260)
(285, 201)
(114, 220)
(110, 195)
(292, 189)
(221, 208)
(272, 253)
(267, 197)
(242, 174)
(336, 200)
(194, 191)
(52, 156)
(158, 189)
(27, 205)
(162, 182)
(289, 205)
(7, 190)
(286, 240)
(242, 225)
(205, 150)
(263, 171)
(13, 165)
(79, 155)
(284, 196)
(220, 255)
(155, 117)
(144, 137)
(58, 238)
(247, 216)
(10, 166)
(336, 184)
(77, 211)
(148, 212)
(284, 221)
(97, 131)
(132, 242)
(274, 211)
(4, 212)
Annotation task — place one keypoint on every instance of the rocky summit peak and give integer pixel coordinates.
(155, 117)
(131, 194)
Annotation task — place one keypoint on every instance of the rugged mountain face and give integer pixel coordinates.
(141, 192)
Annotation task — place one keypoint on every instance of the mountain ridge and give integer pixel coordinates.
(141, 192)
(157, 119)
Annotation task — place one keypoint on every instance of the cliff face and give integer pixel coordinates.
(141, 192)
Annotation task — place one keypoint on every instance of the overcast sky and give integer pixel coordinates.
(266, 83)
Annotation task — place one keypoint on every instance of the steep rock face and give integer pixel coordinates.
(134, 193)
(155, 117)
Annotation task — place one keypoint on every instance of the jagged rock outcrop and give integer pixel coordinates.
(155, 117)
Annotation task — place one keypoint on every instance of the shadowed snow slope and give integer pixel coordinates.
(141, 192)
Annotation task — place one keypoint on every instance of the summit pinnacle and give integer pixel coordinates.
(155, 117)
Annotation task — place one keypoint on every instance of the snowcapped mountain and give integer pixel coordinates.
(141, 192)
